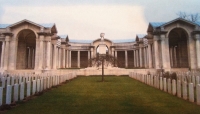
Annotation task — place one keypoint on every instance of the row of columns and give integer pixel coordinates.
(142, 57)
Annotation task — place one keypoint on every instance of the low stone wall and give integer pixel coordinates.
(92, 71)
(117, 71)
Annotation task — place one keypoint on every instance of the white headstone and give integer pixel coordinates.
(3, 82)
(198, 94)
(28, 91)
(42, 85)
(34, 87)
(48, 82)
(38, 85)
(169, 86)
(193, 80)
(22, 91)
(1, 96)
(185, 90)
(8, 80)
(174, 87)
(8, 94)
(179, 88)
(197, 80)
(165, 84)
(16, 92)
(191, 92)
(12, 80)
(161, 83)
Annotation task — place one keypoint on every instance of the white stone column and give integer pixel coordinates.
(29, 57)
(149, 56)
(88, 55)
(78, 59)
(165, 52)
(55, 57)
(112, 49)
(175, 61)
(134, 57)
(48, 59)
(145, 57)
(156, 53)
(92, 53)
(115, 54)
(171, 56)
(33, 58)
(2, 54)
(64, 66)
(60, 58)
(6, 55)
(126, 59)
(37, 54)
(141, 57)
(197, 38)
(137, 58)
(69, 58)
(41, 40)
(12, 53)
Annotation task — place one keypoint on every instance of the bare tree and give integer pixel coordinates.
(191, 17)
(182, 15)
(194, 17)
(102, 61)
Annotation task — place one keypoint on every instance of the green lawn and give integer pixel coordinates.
(118, 95)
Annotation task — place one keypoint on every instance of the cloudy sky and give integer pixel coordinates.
(86, 19)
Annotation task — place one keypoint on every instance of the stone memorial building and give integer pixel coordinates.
(27, 45)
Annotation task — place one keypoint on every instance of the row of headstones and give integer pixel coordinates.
(188, 77)
(15, 90)
(179, 88)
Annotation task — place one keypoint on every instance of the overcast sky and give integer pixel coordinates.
(86, 19)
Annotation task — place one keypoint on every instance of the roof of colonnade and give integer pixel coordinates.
(154, 25)
(41, 25)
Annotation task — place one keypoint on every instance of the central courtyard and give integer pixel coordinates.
(117, 95)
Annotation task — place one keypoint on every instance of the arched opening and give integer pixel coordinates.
(26, 49)
(103, 48)
(178, 48)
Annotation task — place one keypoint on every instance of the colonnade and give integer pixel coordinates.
(142, 57)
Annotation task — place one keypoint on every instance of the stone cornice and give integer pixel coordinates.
(7, 34)
(45, 34)
(159, 32)
(112, 46)
(91, 46)
(63, 43)
(196, 32)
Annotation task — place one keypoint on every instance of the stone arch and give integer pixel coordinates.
(26, 49)
(97, 42)
(97, 49)
(178, 48)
